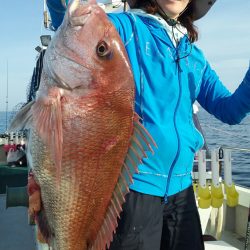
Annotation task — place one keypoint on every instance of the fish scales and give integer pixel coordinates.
(81, 128)
(92, 158)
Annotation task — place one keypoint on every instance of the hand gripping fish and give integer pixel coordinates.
(85, 140)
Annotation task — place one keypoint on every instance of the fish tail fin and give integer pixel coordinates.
(140, 142)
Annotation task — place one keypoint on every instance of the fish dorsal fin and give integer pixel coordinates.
(140, 142)
(48, 125)
(23, 119)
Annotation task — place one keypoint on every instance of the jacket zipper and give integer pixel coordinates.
(177, 105)
(177, 134)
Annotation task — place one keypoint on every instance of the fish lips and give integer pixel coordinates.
(78, 14)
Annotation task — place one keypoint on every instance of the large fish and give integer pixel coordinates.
(85, 140)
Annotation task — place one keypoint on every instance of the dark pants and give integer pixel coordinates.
(148, 224)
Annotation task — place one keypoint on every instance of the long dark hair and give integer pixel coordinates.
(186, 19)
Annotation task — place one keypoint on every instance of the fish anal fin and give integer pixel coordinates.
(140, 143)
(45, 232)
(48, 125)
(36, 210)
(34, 192)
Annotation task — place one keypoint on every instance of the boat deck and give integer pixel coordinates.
(15, 232)
(219, 245)
(234, 240)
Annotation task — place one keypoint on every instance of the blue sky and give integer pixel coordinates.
(224, 38)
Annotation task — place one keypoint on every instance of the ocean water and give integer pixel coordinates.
(235, 137)
(217, 134)
(4, 120)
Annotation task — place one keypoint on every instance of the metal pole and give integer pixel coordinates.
(202, 168)
(228, 167)
(248, 222)
(215, 168)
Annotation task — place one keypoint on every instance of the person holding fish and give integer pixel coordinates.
(170, 74)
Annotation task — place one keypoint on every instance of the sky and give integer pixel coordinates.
(224, 39)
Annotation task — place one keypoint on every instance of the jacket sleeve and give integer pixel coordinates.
(118, 21)
(57, 11)
(217, 100)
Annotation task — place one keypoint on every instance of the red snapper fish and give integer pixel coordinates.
(85, 140)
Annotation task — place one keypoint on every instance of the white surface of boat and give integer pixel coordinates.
(227, 224)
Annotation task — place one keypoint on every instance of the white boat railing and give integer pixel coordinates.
(208, 181)
(17, 138)
(222, 204)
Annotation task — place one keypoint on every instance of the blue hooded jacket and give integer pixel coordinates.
(168, 80)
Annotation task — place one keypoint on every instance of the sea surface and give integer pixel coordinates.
(235, 137)
(217, 134)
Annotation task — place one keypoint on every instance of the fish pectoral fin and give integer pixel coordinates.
(48, 124)
(23, 118)
(140, 142)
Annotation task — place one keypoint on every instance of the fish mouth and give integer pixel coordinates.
(77, 15)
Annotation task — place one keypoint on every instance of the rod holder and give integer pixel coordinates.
(17, 196)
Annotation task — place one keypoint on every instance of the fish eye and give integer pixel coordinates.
(103, 50)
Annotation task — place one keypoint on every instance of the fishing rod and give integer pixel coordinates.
(248, 231)
(7, 98)
(226, 132)
(235, 148)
